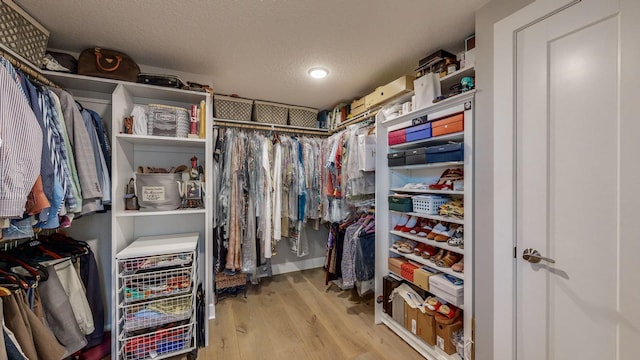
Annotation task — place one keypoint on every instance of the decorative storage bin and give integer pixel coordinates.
(396, 159)
(271, 113)
(303, 117)
(164, 120)
(427, 204)
(157, 312)
(403, 204)
(232, 108)
(398, 137)
(416, 156)
(157, 192)
(449, 125)
(446, 152)
(22, 33)
(419, 132)
(157, 284)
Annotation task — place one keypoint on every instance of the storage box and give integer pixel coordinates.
(22, 34)
(402, 204)
(419, 132)
(421, 277)
(443, 288)
(428, 204)
(397, 312)
(388, 284)
(396, 159)
(416, 156)
(434, 58)
(367, 152)
(407, 270)
(232, 108)
(411, 318)
(395, 264)
(271, 113)
(427, 328)
(303, 117)
(446, 152)
(398, 137)
(164, 120)
(158, 192)
(389, 91)
(358, 107)
(444, 333)
(449, 125)
(427, 88)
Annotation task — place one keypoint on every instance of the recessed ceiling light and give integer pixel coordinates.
(318, 73)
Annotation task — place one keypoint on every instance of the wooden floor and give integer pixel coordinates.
(295, 316)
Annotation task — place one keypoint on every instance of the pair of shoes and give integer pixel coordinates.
(457, 238)
(406, 223)
(442, 232)
(407, 246)
(447, 179)
(446, 259)
(424, 250)
(447, 311)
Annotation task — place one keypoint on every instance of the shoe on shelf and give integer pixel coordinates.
(448, 260)
(438, 256)
(418, 228)
(419, 249)
(428, 251)
(441, 229)
(442, 236)
(457, 238)
(401, 223)
(459, 266)
(413, 221)
(407, 247)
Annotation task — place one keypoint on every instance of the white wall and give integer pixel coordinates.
(483, 212)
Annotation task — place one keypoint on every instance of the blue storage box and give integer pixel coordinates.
(445, 152)
(419, 132)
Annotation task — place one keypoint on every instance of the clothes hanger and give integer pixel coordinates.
(37, 271)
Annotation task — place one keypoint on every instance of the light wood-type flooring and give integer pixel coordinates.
(295, 316)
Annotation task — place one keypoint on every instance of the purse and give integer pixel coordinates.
(109, 64)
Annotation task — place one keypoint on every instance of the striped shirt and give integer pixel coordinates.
(20, 146)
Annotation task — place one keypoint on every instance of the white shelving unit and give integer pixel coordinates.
(393, 179)
(130, 151)
(156, 296)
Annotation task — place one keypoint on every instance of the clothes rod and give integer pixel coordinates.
(269, 127)
(26, 68)
(369, 115)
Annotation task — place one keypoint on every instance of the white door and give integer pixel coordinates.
(568, 193)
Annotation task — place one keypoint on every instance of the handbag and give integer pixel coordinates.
(109, 64)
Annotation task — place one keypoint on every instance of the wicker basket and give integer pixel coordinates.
(22, 34)
(164, 120)
(303, 117)
(271, 113)
(224, 281)
(232, 108)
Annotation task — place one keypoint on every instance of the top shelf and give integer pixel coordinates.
(441, 105)
(162, 140)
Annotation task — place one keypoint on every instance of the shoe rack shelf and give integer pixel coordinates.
(391, 180)
(397, 276)
(432, 217)
(425, 191)
(424, 240)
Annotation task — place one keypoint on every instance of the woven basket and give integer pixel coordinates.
(164, 120)
(22, 34)
(224, 281)
(271, 113)
(303, 117)
(232, 108)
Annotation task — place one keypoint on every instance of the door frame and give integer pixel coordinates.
(504, 176)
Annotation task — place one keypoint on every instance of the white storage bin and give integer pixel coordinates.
(444, 289)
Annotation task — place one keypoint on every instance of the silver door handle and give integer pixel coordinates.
(534, 257)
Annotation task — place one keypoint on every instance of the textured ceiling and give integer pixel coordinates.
(262, 49)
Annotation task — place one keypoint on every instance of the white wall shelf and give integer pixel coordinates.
(424, 240)
(162, 140)
(426, 191)
(427, 166)
(134, 213)
(428, 263)
(432, 217)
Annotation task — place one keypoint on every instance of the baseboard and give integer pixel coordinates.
(297, 265)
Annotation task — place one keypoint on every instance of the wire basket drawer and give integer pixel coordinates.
(232, 108)
(303, 117)
(165, 120)
(157, 284)
(271, 113)
(427, 204)
(22, 33)
(158, 343)
(142, 264)
(156, 313)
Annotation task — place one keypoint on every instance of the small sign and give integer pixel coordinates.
(153, 193)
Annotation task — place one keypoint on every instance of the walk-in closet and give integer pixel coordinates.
(370, 179)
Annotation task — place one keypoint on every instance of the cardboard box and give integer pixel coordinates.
(358, 107)
(407, 270)
(444, 333)
(411, 318)
(389, 91)
(395, 265)
(427, 328)
(421, 277)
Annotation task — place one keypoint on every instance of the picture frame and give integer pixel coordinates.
(192, 190)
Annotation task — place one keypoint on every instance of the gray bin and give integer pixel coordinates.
(158, 192)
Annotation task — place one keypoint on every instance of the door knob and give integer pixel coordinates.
(534, 257)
